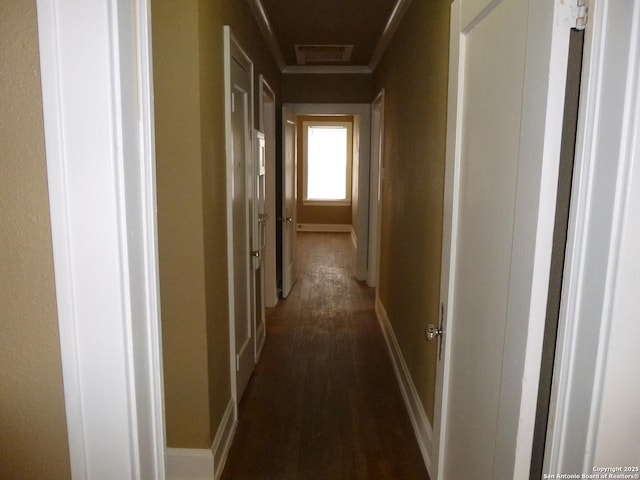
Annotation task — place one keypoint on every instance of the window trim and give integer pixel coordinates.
(349, 178)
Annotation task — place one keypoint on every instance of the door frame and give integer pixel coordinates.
(599, 306)
(549, 55)
(268, 127)
(363, 110)
(258, 235)
(233, 50)
(288, 218)
(376, 171)
(104, 234)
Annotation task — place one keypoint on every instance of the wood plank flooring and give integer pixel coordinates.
(323, 402)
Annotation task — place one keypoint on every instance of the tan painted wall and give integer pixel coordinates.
(33, 432)
(213, 208)
(190, 155)
(180, 221)
(331, 88)
(414, 73)
(314, 214)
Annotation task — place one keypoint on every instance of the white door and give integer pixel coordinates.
(289, 204)
(258, 241)
(268, 126)
(241, 172)
(375, 188)
(506, 91)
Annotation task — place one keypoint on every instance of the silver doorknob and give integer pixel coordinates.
(255, 253)
(433, 332)
(288, 219)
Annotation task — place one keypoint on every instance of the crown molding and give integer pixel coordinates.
(389, 30)
(325, 69)
(265, 25)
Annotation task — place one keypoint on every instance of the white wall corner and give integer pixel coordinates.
(204, 464)
(421, 426)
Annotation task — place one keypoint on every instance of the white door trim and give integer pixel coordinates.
(268, 127)
(101, 172)
(288, 212)
(593, 303)
(258, 233)
(449, 238)
(232, 50)
(364, 110)
(375, 188)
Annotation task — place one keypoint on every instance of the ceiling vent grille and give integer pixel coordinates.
(319, 54)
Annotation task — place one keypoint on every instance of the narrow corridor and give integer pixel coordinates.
(323, 402)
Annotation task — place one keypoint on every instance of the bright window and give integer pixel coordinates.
(327, 162)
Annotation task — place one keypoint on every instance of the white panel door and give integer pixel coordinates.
(268, 126)
(508, 66)
(488, 176)
(242, 271)
(289, 204)
(375, 188)
(258, 241)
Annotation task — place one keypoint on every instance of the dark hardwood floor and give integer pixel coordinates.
(323, 402)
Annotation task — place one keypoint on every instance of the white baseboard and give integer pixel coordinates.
(189, 464)
(421, 426)
(324, 227)
(203, 464)
(224, 436)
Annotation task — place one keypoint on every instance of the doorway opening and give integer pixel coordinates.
(348, 210)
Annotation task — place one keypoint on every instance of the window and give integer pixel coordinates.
(328, 149)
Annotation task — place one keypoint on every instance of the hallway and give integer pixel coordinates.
(323, 402)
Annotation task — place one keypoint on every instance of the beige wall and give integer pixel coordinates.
(413, 73)
(329, 88)
(180, 221)
(315, 214)
(190, 156)
(33, 432)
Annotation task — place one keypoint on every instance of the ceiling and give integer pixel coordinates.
(328, 35)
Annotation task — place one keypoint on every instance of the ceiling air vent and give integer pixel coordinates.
(314, 54)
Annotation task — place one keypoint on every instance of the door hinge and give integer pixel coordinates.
(573, 13)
